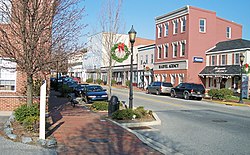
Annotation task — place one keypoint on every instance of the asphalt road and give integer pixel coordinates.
(193, 127)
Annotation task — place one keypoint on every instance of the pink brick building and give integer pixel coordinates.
(182, 39)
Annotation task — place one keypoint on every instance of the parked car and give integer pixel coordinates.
(93, 93)
(77, 79)
(188, 91)
(159, 88)
(79, 88)
(72, 84)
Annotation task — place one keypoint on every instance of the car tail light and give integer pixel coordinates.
(192, 90)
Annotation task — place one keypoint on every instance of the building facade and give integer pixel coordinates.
(96, 61)
(145, 65)
(223, 68)
(182, 37)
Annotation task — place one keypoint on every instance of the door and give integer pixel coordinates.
(223, 83)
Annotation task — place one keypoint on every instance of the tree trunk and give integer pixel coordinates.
(110, 76)
(29, 90)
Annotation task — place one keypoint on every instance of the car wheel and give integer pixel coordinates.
(199, 98)
(186, 96)
(157, 92)
(172, 94)
(147, 91)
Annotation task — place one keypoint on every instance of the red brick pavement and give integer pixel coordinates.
(81, 131)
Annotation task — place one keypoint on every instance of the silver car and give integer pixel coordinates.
(159, 88)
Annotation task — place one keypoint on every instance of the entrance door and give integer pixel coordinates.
(223, 83)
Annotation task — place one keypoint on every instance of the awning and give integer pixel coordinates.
(228, 70)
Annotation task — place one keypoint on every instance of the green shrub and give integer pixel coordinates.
(127, 83)
(30, 123)
(24, 111)
(66, 90)
(100, 105)
(90, 80)
(225, 93)
(140, 112)
(99, 81)
(124, 114)
(213, 93)
(220, 94)
(113, 82)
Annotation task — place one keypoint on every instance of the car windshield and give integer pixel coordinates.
(94, 88)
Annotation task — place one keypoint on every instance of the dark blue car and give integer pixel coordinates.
(79, 89)
(94, 93)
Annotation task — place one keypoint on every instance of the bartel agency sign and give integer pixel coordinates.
(172, 66)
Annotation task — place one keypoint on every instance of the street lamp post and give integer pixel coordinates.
(144, 64)
(242, 57)
(132, 36)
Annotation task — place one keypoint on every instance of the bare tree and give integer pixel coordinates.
(33, 31)
(111, 25)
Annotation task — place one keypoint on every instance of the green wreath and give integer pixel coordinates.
(121, 47)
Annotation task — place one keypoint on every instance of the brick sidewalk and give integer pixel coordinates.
(81, 131)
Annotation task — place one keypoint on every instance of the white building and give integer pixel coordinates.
(75, 68)
(96, 61)
(145, 65)
(223, 68)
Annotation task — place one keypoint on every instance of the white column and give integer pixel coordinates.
(42, 111)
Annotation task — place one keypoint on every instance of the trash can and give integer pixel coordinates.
(113, 105)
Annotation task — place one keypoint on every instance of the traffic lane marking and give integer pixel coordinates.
(156, 100)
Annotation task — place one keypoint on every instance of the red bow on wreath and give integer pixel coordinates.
(121, 47)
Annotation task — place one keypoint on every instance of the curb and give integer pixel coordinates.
(156, 122)
(148, 141)
(228, 103)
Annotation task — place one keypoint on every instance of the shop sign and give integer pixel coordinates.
(220, 70)
(168, 66)
(198, 59)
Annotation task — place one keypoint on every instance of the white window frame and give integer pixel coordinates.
(175, 48)
(202, 26)
(159, 29)
(141, 59)
(166, 32)
(173, 79)
(166, 50)
(159, 53)
(146, 60)
(229, 32)
(213, 60)
(237, 61)
(183, 25)
(152, 58)
(225, 60)
(7, 74)
(181, 43)
(175, 26)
